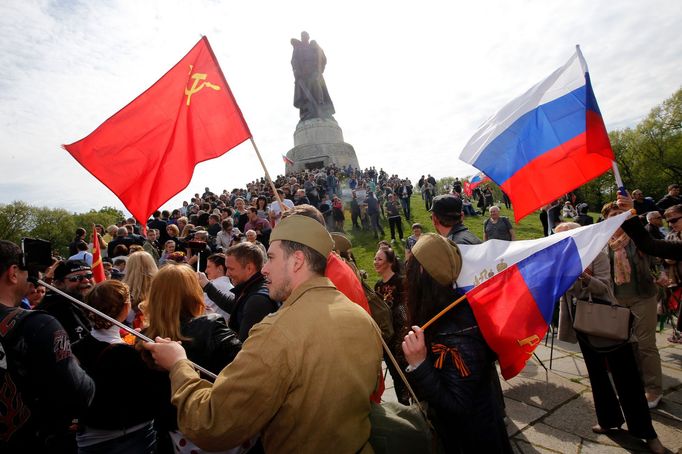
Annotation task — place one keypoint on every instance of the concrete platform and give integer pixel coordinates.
(553, 412)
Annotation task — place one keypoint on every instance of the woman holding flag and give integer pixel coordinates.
(602, 357)
(450, 365)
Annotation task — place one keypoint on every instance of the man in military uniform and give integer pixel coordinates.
(305, 374)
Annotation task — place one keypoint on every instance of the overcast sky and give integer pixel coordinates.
(410, 81)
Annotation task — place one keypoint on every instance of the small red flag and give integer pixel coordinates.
(97, 265)
(287, 160)
(147, 151)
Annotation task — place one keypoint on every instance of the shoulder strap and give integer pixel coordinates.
(11, 320)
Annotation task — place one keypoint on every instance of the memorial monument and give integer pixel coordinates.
(318, 139)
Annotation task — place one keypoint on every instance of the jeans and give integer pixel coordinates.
(376, 224)
(406, 207)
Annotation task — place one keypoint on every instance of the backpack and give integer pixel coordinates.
(380, 312)
(14, 413)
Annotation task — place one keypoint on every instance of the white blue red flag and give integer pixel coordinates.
(287, 160)
(475, 181)
(546, 142)
(514, 285)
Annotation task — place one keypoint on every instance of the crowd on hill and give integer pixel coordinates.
(212, 273)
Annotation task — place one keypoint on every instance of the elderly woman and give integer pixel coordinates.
(603, 356)
(450, 365)
(635, 288)
(498, 227)
(673, 216)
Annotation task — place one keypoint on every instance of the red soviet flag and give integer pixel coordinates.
(147, 151)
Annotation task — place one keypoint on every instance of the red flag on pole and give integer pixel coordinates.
(147, 151)
(97, 265)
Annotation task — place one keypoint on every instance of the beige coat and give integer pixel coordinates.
(600, 286)
(303, 380)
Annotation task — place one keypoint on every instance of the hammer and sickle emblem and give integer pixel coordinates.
(530, 340)
(198, 84)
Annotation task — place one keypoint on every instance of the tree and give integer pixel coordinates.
(15, 220)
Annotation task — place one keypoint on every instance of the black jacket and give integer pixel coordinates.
(248, 303)
(120, 375)
(51, 384)
(70, 316)
(210, 344)
(464, 410)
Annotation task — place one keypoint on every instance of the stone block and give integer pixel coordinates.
(521, 415)
(544, 436)
(317, 143)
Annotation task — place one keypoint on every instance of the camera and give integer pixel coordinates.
(37, 255)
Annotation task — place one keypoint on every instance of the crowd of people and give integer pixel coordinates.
(262, 290)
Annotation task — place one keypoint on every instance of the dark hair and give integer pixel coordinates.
(217, 260)
(82, 245)
(80, 231)
(316, 261)
(673, 209)
(108, 297)
(10, 254)
(227, 224)
(215, 217)
(393, 259)
(446, 220)
(246, 253)
(425, 296)
(119, 250)
(673, 186)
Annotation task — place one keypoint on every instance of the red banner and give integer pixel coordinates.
(147, 151)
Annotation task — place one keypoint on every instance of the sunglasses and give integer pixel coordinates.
(673, 220)
(79, 278)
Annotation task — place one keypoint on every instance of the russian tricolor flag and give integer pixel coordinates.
(475, 182)
(546, 142)
(514, 285)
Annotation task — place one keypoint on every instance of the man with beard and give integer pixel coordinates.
(318, 347)
(75, 278)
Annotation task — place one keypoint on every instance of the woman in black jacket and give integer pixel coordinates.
(175, 310)
(450, 365)
(122, 380)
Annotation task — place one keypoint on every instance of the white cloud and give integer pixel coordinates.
(410, 83)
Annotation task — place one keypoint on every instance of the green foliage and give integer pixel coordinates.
(19, 219)
(649, 155)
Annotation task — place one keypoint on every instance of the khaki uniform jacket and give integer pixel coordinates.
(302, 379)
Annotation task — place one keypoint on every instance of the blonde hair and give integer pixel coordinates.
(175, 295)
(185, 231)
(566, 226)
(140, 270)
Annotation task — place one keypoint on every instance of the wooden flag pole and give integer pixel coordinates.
(440, 314)
(267, 176)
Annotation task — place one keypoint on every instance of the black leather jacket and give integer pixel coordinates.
(247, 303)
(211, 344)
(465, 413)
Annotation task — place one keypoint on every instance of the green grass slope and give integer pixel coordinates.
(365, 246)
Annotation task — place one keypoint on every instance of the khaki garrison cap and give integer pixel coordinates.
(304, 230)
(341, 243)
(439, 256)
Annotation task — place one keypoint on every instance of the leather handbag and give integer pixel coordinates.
(609, 321)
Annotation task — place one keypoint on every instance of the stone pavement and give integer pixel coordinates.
(553, 412)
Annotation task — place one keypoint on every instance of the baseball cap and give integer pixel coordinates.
(446, 205)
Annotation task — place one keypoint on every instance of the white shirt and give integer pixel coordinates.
(224, 285)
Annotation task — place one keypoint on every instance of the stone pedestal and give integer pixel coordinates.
(319, 142)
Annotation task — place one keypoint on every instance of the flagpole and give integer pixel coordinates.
(440, 314)
(619, 180)
(117, 323)
(267, 176)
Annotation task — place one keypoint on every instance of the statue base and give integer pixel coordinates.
(318, 142)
